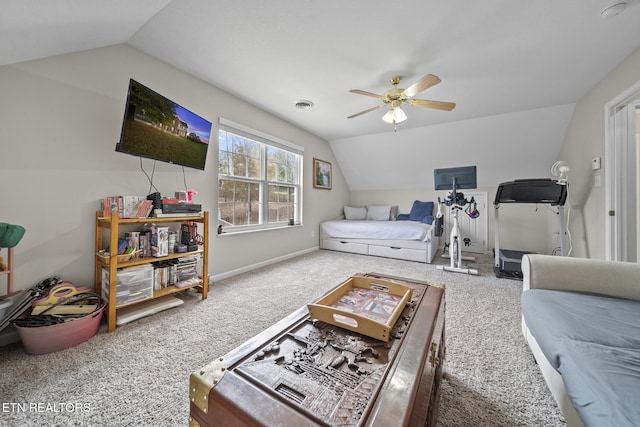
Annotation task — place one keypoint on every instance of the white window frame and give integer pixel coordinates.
(264, 140)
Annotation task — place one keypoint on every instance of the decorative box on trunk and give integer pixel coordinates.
(367, 305)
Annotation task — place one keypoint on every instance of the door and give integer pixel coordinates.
(623, 164)
(474, 231)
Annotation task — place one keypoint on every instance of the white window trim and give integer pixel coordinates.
(273, 141)
(268, 139)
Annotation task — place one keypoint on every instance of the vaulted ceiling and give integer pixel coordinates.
(503, 62)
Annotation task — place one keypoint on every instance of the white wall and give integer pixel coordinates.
(60, 119)
(585, 140)
(508, 146)
(505, 147)
(520, 225)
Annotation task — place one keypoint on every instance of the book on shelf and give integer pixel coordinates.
(144, 209)
(126, 206)
(111, 204)
(179, 272)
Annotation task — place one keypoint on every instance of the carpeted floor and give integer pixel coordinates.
(139, 375)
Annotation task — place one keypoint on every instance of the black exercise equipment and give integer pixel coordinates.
(543, 190)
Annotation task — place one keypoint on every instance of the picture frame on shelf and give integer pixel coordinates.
(322, 174)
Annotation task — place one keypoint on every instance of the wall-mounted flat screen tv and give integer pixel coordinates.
(465, 177)
(157, 128)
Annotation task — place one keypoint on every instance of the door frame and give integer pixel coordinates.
(618, 146)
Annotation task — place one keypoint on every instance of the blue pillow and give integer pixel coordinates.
(428, 219)
(420, 210)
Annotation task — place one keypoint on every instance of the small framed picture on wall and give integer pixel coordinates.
(321, 174)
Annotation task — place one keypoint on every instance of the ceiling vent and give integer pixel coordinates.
(613, 10)
(303, 104)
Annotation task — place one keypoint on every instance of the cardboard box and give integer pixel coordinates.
(159, 241)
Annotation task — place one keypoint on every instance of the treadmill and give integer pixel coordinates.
(542, 190)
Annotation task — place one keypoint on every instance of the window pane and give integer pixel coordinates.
(222, 141)
(254, 168)
(282, 173)
(281, 203)
(241, 155)
(238, 202)
(225, 201)
(272, 165)
(223, 162)
(239, 165)
(254, 203)
(282, 166)
(273, 193)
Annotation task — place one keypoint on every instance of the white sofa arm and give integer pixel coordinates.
(618, 279)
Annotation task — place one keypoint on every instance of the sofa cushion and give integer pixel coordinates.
(593, 341)
(556, 316)
(603, 383)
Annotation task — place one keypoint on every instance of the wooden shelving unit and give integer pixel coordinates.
(8, 273)
(111, 263)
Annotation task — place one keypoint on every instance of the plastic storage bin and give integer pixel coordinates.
(47, 339)
(133, 284)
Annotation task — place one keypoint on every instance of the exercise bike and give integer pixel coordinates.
(456, 201)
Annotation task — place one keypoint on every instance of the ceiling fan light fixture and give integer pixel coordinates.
(394, 116)
(395, 97)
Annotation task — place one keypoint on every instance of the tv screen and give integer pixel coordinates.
(465, 177)
(157, 128)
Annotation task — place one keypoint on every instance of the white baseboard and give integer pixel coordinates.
(251, 267)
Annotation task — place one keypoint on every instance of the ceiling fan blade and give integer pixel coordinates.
(365, 111)
(364, 92)
(438, 105)
(424, 83)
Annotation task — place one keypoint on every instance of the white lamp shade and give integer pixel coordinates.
(395, 115)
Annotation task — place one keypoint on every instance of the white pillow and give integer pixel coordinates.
(378, 213)
(355, 213)
(394, 212)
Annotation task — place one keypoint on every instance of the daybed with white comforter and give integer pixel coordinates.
(378, 231)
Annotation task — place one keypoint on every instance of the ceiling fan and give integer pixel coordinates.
(397, 96)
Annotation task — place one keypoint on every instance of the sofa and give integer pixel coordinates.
(581, 319)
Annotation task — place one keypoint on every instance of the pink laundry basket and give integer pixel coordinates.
(47, 339)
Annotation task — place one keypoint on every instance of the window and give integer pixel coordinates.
(259, 179)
